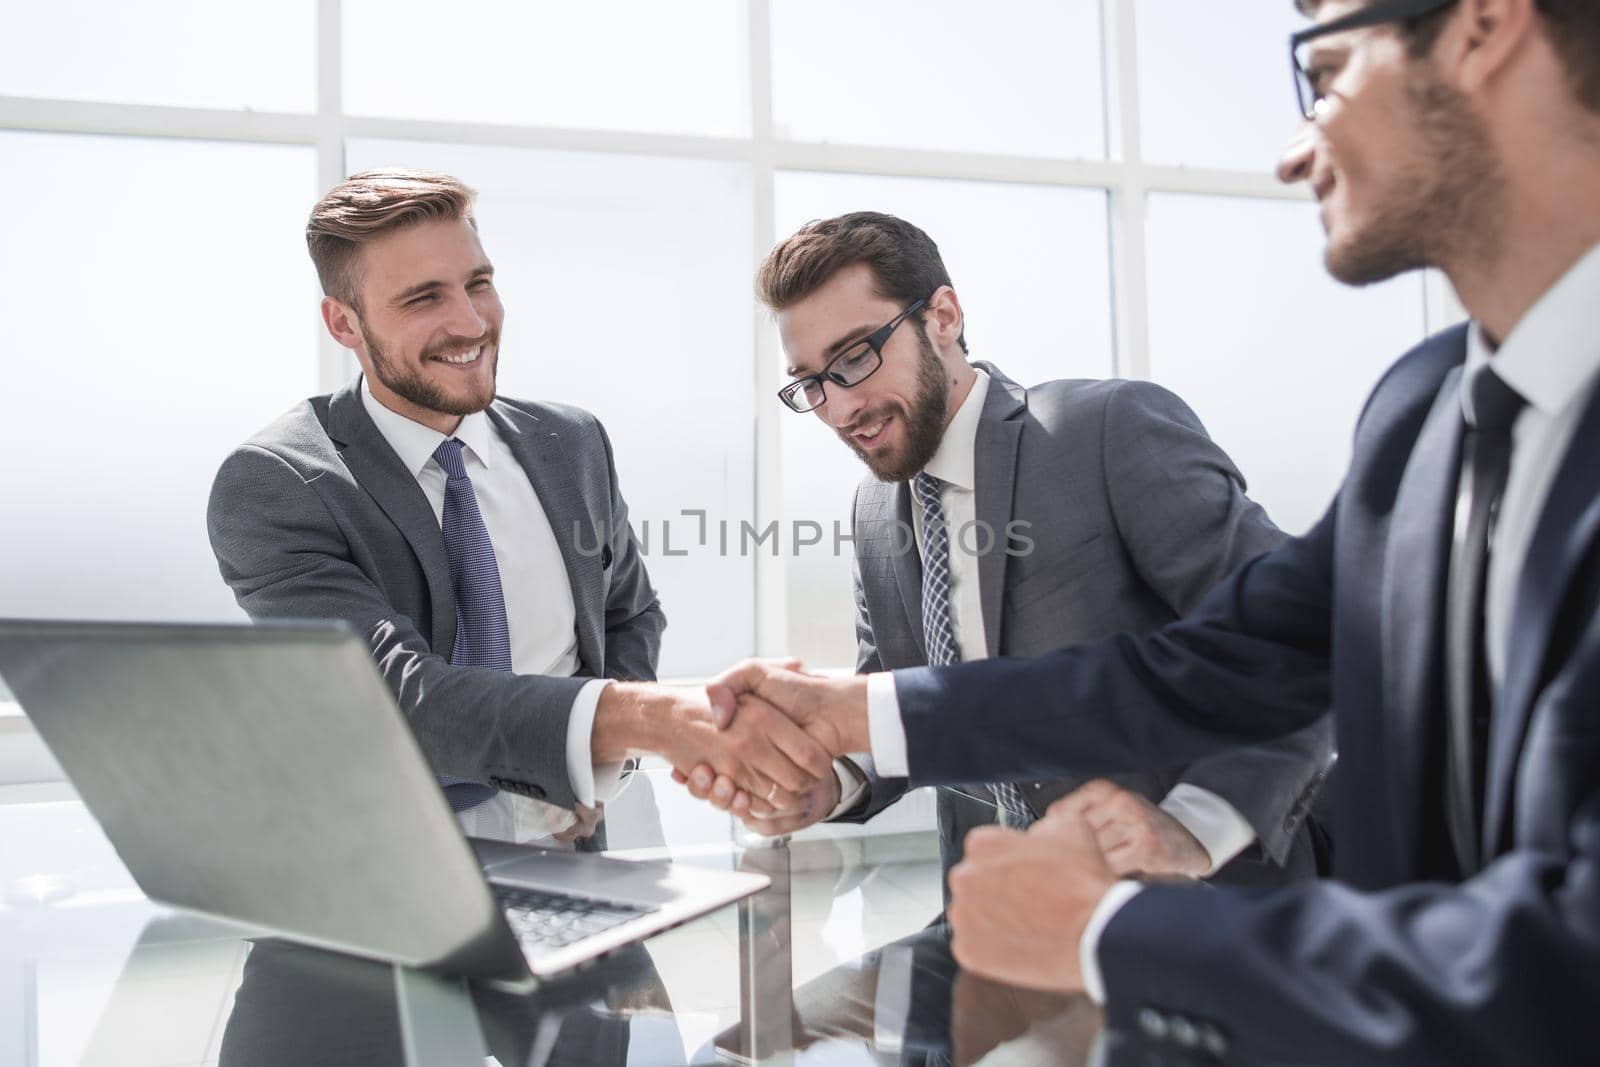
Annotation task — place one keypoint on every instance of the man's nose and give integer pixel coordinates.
(839, 406)
(465, 321)
(1295, 164)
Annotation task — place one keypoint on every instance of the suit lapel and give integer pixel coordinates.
(1564, 536)
(994, 476)
(540, 453)
(374, 464)
(1415, 564)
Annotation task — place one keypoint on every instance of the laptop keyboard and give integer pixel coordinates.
(551, 921)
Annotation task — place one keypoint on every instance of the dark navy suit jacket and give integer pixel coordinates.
(1399, 960)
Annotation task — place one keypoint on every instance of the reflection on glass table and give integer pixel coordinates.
(840, 962)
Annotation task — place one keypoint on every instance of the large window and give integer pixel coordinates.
(1020, 78)
(1096, 172)
(620, 65)
(160, 308)
(1278, 382)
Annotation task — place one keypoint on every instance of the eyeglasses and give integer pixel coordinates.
(1306, 89)
(849, 368)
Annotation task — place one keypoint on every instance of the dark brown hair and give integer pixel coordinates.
(368, 205)
(1571, 26)
(904, 261)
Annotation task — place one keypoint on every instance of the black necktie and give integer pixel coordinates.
(1485, 461)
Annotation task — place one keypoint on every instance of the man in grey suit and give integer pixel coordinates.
(480, 543)
(1003, 521)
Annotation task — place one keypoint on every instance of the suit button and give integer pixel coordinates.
(1183, 1032)
(1213, 1040)
(1152, 1024)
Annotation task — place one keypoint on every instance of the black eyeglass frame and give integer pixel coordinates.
(790, 394)
(1374, 14)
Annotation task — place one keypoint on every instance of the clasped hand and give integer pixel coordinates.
(799, 715)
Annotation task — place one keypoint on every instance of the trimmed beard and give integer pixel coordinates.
(924, 423)
(410, 385)
(1445, 208)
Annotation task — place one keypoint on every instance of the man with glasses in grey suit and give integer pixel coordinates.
(480, 543)
(1003, 521)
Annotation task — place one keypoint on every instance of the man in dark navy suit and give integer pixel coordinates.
(1446, 609)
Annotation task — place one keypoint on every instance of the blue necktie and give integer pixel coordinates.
(938, 634)
(483, 638)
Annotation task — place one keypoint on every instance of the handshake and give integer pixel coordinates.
(758, 742)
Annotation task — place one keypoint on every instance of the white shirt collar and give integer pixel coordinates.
(954, 460)
(415, 443)
(1553, 352)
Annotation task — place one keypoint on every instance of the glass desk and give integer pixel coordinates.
(835, 964)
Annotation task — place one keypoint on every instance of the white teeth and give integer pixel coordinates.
(873, 431)
(462, 357)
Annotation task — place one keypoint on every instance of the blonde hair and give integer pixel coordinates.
(372, 203)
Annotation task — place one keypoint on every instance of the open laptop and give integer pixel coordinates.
(263, 774)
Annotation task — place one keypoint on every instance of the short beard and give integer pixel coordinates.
(1444, 209)
(410, 385)
(925, 421)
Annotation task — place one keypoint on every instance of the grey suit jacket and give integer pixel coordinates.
(1123, 514)
(316, 517)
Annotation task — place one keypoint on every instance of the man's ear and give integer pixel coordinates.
(344, 325)
(1485, 38)
(944, 316)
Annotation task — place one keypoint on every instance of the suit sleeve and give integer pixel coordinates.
(634, 619)
(1183, 517)
(1249, 664)
(284, 557)
(881, 792)
(1500, 969)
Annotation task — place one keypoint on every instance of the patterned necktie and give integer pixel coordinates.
(1486, 462)
(937, 631)
(483, 638)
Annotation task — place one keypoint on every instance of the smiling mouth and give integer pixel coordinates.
(871, 433)
(465, 358)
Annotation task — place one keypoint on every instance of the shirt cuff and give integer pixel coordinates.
(592, 782)
(884, 728)
(1215, 823)
(1089, 948)
(852, 787)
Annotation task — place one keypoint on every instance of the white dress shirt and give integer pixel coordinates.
(541, 615)
(1552, 358)
(1215, 823)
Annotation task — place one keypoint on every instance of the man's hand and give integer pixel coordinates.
(587, 819)
(832, 710)
(704, 783)
(1019, 902)
(814, 805)
(763, 754)
(1134, 835)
